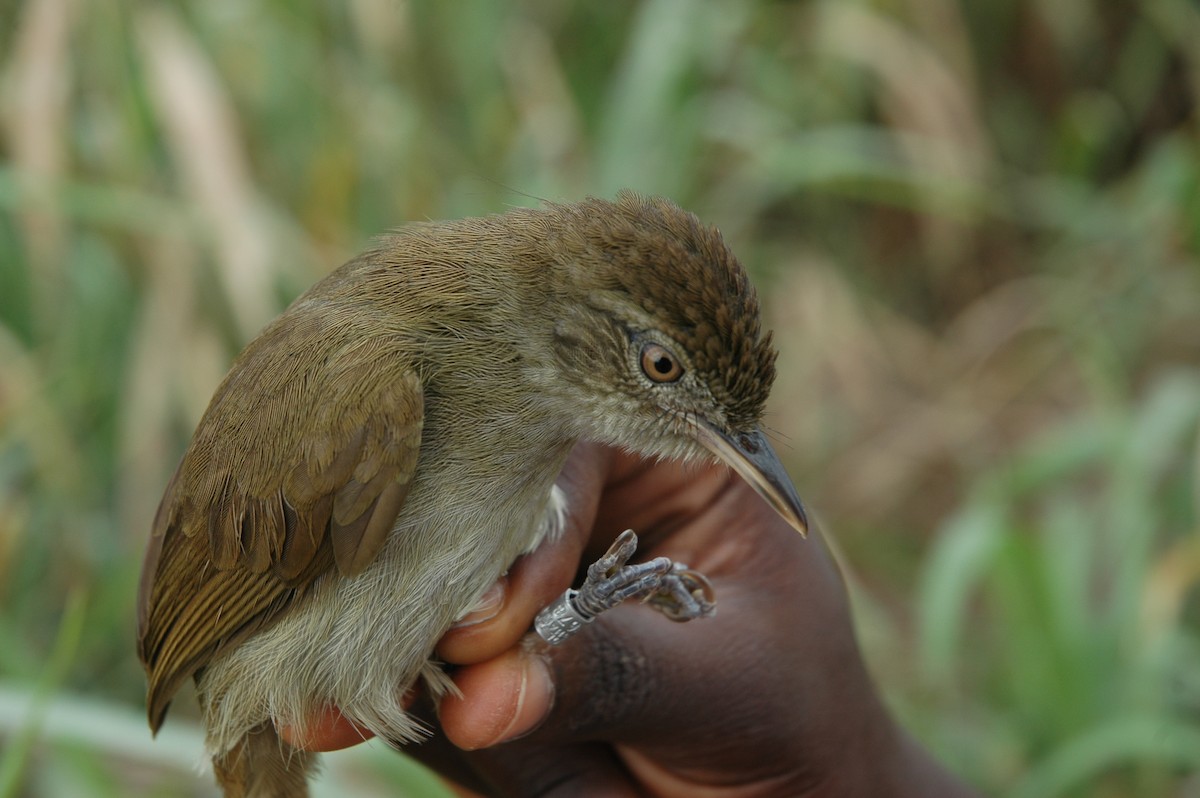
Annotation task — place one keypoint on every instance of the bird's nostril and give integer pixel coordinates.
(748, 444)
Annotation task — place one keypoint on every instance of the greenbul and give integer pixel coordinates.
(387, 447)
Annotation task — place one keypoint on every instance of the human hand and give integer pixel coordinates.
(769, 697)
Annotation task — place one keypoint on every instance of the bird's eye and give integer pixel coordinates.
(659, 364)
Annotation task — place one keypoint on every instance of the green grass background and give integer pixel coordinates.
(975, 225)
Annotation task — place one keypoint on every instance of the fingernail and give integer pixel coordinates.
(535, 697)
(488, 606)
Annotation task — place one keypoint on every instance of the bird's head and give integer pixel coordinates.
(660, 347)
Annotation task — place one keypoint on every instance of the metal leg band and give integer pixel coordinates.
(560, 619)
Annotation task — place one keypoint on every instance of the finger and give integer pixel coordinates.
(516, 769)
(534, 581)
(440, 755)
(500, 699)
(539, 577)
(329, 731)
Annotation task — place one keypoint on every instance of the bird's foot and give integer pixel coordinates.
(672, 588)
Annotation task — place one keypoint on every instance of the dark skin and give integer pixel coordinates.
(768, 698)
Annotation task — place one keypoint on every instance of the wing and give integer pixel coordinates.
(300, 465)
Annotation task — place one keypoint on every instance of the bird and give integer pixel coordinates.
(388, 446)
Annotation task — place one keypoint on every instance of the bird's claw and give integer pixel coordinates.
(684, 594)
(672, 588)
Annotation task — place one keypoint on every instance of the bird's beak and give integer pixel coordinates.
(751, 456)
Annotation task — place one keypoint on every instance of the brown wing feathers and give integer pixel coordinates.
(269, 516)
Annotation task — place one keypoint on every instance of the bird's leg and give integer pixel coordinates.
(610, 581)
(671, 588)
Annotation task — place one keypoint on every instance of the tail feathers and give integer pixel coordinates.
(261, 765)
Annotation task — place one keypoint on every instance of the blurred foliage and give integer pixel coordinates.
(975, 225)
